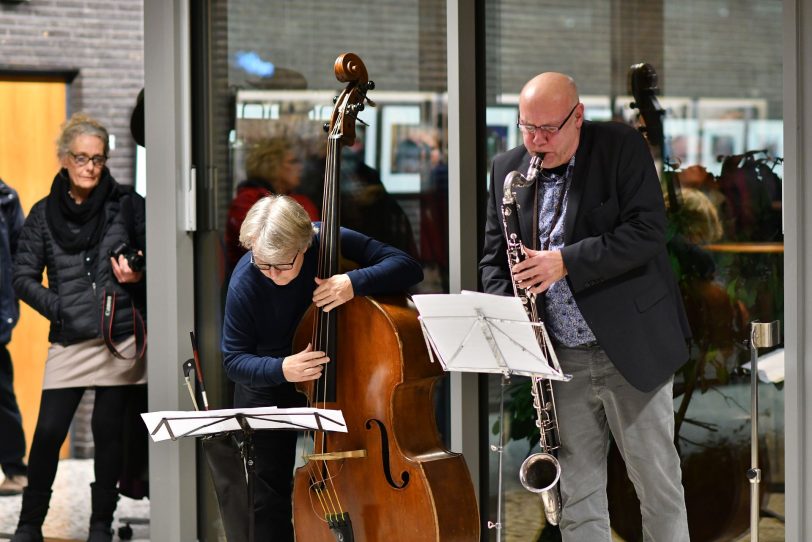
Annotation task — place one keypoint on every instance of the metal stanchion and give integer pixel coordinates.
(499, 449)
(762, 335)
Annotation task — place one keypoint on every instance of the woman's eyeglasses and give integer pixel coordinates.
(277, 266)
(82, 160)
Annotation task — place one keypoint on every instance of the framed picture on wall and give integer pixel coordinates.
(682, 142)
(768, 135)
(721, 138)
(402, 150)
(502, 131)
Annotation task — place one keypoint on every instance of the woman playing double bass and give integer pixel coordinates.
(270, 290)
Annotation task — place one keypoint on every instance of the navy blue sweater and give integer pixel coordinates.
(261, 317)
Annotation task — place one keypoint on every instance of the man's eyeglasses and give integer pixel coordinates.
(81, 160)
(551, 130)
(277, 266)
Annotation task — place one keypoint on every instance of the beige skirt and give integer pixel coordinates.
(90, 363)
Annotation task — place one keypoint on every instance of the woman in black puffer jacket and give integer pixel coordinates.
(72, 233)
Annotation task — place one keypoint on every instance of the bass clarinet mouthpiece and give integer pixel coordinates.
(535, 166)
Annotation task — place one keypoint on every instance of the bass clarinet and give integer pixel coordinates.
(541, 471)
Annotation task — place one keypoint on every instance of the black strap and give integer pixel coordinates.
(128, 213)
(108, 313)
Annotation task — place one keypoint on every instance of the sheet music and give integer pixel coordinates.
(484, 333)
(171, 425)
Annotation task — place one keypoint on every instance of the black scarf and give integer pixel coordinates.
(89, 215)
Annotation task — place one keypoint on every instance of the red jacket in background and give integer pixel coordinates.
(248, 193)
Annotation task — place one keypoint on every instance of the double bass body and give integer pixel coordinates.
(407, 488)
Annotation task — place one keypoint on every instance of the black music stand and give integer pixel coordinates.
(486, 333)
(227, 440)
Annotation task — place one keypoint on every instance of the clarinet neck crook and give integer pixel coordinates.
(515, 179)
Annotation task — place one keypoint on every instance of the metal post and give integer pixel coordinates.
(499, 449)
(762, 335)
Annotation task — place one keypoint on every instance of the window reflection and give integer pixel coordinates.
(394, 178)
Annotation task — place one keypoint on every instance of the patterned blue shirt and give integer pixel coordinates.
(564, 320)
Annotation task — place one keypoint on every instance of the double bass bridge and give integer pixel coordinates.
(334, 456)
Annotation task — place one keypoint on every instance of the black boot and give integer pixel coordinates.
(32, 514)
(103, 505)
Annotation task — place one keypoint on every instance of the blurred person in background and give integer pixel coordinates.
(73, 233)
(367, 207)
(272, 167)
(12, 444)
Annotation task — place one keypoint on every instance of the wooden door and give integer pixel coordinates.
(31, 113)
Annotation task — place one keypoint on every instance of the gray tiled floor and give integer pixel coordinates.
(523, 520)
(70, 506)
(70, 510)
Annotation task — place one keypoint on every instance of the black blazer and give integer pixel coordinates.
(617, 264)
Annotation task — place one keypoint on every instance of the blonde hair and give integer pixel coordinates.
(81, 124)
(266, 156)
(702, 224)
(276, 226)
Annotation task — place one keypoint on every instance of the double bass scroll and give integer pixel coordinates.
(643, 86)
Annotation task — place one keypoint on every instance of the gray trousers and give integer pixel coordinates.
(597, 401)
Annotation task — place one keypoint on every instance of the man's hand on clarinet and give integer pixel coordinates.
(540, 270)
(306, 365)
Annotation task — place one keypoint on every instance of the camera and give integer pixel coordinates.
(136, 261)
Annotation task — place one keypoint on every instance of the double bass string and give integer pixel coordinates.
(319, 472)
(318, 335)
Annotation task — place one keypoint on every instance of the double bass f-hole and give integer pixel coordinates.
(387, 470)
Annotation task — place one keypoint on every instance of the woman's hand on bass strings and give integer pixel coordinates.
(305, 365)
(540, 270)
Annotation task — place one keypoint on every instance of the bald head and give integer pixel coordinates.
(550, 103)
(551, 89)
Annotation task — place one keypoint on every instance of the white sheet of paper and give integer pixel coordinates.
(166, 425)
(770, 366)
(454, 323)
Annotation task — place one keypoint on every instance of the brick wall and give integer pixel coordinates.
(103, 40)
(307, 36)
(709, 48)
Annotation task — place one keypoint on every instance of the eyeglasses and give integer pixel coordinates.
(551, 130)
(277, 266)
(81, 160)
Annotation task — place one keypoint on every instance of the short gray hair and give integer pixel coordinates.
(81, 124)
(276, 226)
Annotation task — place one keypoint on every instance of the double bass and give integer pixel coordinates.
(389, 477)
